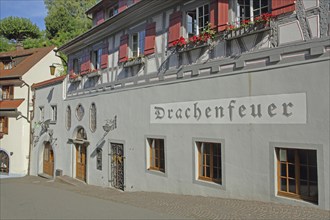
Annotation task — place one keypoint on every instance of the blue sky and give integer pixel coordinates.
(35, 10)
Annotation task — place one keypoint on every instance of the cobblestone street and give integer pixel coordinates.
(168, 205)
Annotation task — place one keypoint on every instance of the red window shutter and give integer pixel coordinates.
(122, 5)
(282, 6)
(223, 8)
(214, 13)
(123, 48)
(99, 17)
(174, 28)
(104, 56)
(150, 39)
(85, 66)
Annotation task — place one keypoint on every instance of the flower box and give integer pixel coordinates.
(247, 30)
(94, 74)
(75, 78)
(193, 46)
(134, 62)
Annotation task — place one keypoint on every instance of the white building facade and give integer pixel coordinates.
(19, 70)
(155, 100)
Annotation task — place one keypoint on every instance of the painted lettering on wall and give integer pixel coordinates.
(268, 109)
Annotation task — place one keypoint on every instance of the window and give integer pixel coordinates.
(7, 65)
(157, 154)
(209, 162)
(80, 112)
(113, 11)
(96, 59)
(137, 44)
(68, 117)
(42, 113)
(76, 66)
(7, 92)
(197, 20)
(297, 173)
(99, 159)
(54, 113)
(249, 9)
(4, 125)
(92, 117)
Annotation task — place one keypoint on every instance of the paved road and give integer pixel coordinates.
(35, 197)
(35, 201)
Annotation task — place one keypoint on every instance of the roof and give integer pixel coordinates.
(48, 82)
(10, 104)
(33, 57)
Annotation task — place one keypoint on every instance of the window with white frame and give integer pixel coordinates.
(54, 113)
(76, 66)
(41, 113)
(197, 19)
(112, 11)
(137, 44)
(7, 65)
(96, 59)
(250, 9)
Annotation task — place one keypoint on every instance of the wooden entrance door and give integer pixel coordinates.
(4, 162)
(48, 165)
(81, 162)
(117, 166)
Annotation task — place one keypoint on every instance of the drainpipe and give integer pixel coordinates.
(28, 120)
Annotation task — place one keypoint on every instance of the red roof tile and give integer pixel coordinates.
(48, 82)
(34, 56)
(10, 104)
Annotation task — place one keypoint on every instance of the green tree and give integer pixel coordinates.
(18, 29)
(66, 19)
(6, 45)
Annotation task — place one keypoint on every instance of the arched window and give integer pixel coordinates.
(68, 117)
(92, 117)
(80, 112)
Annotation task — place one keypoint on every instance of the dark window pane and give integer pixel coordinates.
(200, 11)
(256, 4)
(206, 9)
(312, 157)
(283, 169)
(215, 161)
(207, 160)
(292, 171)
(215, 173)
(291, 155)
(303, 156)
(283, 185)
(303, 172)
(264, 3)
(292, 186)
(313, 192)
(264, 10)
(303, 188)
(208, 174)
(313, 174)
(162, 165)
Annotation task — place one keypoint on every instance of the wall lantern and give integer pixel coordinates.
(52, 69)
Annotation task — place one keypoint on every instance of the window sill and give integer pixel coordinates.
(76, 79)
(234, 34)
(209, 184)
(52, 122)
(132, 63)
(156, 172)
(191, 47)
(94, 74)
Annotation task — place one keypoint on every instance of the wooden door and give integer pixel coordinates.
(81, 162)
(48, 165)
